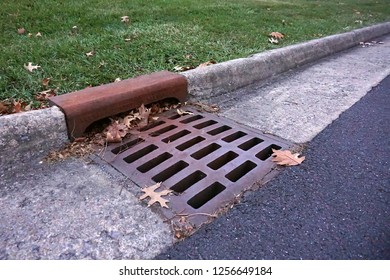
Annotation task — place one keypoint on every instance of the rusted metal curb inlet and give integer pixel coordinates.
(89, 105)
(205, 159)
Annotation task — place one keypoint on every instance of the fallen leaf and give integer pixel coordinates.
(155, 196)
(143, 115)
(273, 40)
(208, 63)
(45, 82)
(183, 113)
(44, 95)
(182, 68)
(285, 157)
(117, 80)
(3, 108)
(115, 132)
(125, 19)
(17, 107)
(89, 54)
(213, 108)
(276, 35)
(30, 67)
(39, 34)
(29, 35)
(21, 31)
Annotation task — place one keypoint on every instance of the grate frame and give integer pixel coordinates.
(207, 161)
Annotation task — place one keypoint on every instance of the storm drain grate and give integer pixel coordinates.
(205, 159)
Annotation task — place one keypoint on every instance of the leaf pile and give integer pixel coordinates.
(119, 127)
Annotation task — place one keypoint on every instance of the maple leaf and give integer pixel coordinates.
(285, 157)
(276, 35)
(155, 196)
(115, 132)
(125, 19)
(30, 67)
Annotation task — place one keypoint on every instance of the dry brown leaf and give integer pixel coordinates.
(276, 35)
(125, 19)
(182, 112)
(3, 108)
(30, 67)
(21, 31)
(17, 107)
(208, 63)
(143, 116)
(115, 132)
(45, 82)
(155, 196)
(285, 157)
(44, 95)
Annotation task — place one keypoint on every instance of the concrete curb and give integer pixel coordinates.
(33, 134)
(230, 75)
(30, 135)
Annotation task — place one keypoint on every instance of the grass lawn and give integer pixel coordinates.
(161, 34)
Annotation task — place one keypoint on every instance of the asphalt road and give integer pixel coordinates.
(336, 205)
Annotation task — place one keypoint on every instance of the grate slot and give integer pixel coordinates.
(174, 117)
(222, 160)
(192, 119)
(205, 124)
(267, 152)
(206, 151)
(219, 130)
(250, 143)
(154, 162)
(127, 146)
(139, 154)
(170, 171)
(163, 130)
(190, 143)
(176, 136)
(232, 137)
(240, 171)
(188, 181)
(206, 195)
(152, 125)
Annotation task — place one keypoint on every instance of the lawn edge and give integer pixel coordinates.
(29, 135)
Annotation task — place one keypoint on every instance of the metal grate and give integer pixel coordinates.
(205, 159)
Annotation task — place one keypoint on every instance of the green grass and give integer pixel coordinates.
(163, 33)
